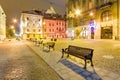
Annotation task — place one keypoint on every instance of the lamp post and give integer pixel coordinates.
(14, 23)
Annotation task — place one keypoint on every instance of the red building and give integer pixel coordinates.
(54, 27)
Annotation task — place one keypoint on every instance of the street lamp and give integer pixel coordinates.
(77, 12)
(14, 23)
(14, 20)
(91, 13)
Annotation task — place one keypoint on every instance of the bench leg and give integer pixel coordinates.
(43, 46)
(49, 48)
(91, 62)
(85, 64)
(53, 48)
(62, 53)
(68, 55)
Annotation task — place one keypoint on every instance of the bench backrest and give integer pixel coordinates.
(40, 41)
(51, 44)
(80, 51)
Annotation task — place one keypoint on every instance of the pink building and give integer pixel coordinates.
(54, 27)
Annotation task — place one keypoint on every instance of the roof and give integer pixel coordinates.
(47, 14)
(36, 12)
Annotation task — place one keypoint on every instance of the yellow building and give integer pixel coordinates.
(2, 24)
(94, 19)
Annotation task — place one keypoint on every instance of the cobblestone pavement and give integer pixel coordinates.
(71, 68)
(19, 62)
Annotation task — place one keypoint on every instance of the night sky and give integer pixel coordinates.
(13, 8)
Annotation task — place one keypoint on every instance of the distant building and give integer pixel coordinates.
(94, 19)
(31, 24)
(2, 24)
(54, 27)
(42, 24)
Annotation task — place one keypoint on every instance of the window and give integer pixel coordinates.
(62, 24)
(52, 24)
(49, 24)
(33, 30)
(53, 30)
(28, 30)
(57, 23)
(50, 30)
(57, 28)
(39, 30)
(45, 30)
(106, 16)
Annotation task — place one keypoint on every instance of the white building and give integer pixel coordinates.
(31, 24)
(2, 24)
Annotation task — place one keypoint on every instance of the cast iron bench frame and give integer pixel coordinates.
(49, 45)
(39, 42)
(80, 52)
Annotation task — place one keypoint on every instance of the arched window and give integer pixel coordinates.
(106, 16)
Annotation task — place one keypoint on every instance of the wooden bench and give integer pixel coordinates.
(39, 42)
(80, 52)
(49, 45)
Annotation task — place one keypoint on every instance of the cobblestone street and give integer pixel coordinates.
(19, 62)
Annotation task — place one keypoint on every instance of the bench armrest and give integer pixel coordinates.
(64, 51)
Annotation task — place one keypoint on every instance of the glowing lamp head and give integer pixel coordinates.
(15, 20)
(77, 12)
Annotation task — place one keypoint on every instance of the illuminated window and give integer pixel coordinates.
(106, 16)
(28, 35)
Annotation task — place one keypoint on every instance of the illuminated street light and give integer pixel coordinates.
(77, 12)
(91, 13)
(14, 20)
(12, 27)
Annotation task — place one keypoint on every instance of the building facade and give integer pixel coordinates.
(38, 24)
(94, 19)
(2, 24)
(54, 28)
(31, 24)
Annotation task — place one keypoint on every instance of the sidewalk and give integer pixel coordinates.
(68, 69)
